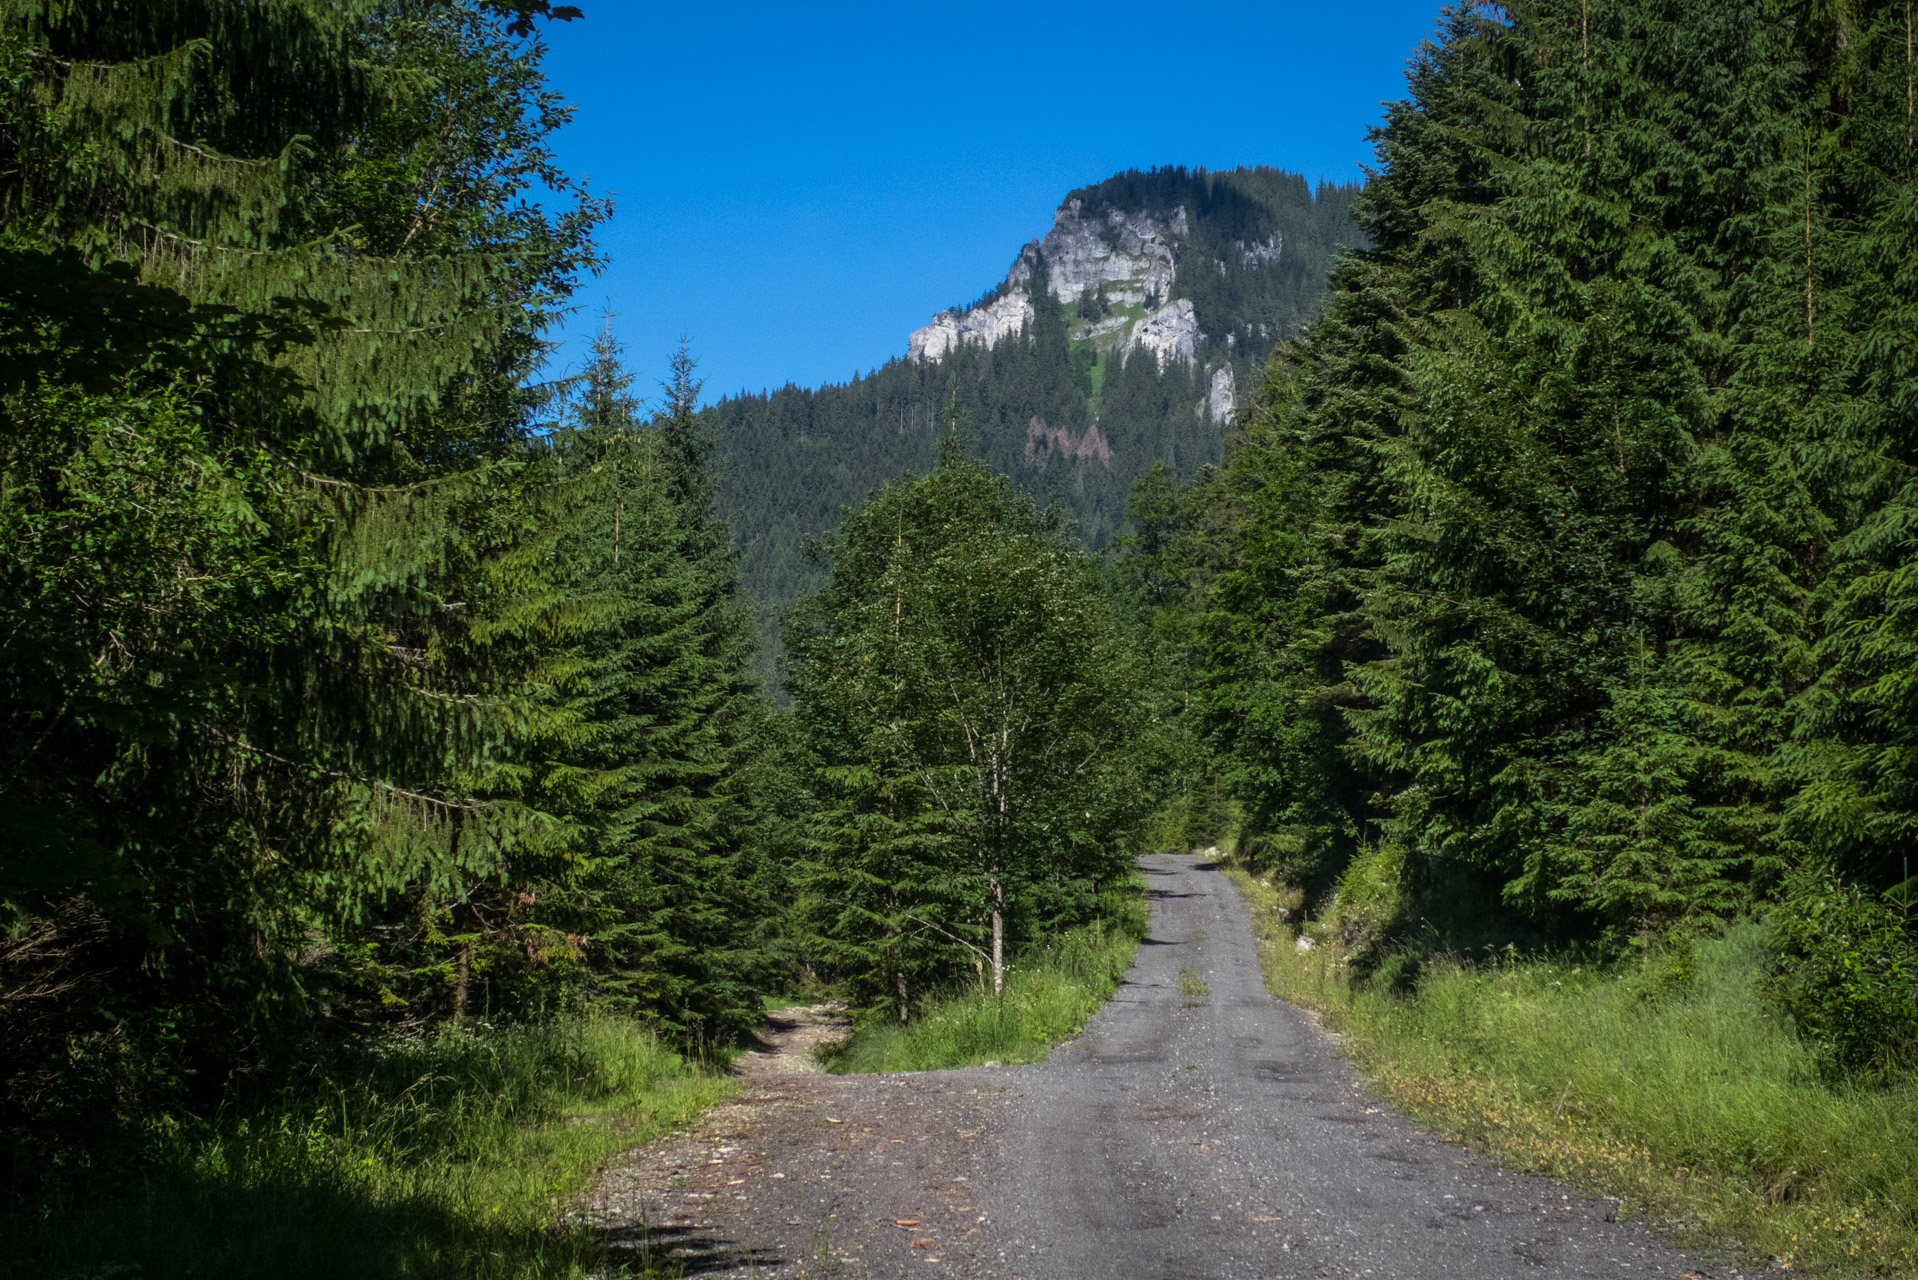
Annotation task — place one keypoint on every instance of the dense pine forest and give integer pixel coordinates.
(1564, 566)
(384, 728)
(356, 682)
(400, 763)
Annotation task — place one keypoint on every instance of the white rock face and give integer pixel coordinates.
(1129, 255)
(987, 324)
(1171, 332)
(1221, 400)
(1258, 253)
(1084, 253)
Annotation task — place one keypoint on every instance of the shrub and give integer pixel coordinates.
(1846, 968)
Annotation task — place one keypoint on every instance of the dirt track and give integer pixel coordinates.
(1198, 1128)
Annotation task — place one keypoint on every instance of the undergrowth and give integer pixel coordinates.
(1680, 1089)
(1049, 993)
(449, 1156)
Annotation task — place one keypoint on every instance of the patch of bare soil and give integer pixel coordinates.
(791, 1038)
(811, 1175)
(808, 1174)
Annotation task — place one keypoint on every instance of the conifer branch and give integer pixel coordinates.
(214, 155)
(372, 784)
(330, 482)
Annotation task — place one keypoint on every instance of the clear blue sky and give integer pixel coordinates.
(800, 186)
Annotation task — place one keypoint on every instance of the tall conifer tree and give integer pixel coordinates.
(304, 230)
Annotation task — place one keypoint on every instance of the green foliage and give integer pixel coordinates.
(665, 900)
(1566, 552)
(346, 689)
(1286, 569)
(434, 1154)
(1847, 970)
(981, 738)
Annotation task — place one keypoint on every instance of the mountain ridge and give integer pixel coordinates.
(1122, 337)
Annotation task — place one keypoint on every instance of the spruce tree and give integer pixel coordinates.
(299, 236)
(1308, 487)
(666, 900)
(1501, 516)
(1852, 755)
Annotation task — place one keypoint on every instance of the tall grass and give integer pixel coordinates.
(1048, 996)
(449, 1156)
(1678, 1088)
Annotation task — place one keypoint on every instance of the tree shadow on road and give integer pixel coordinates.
(681, 1251)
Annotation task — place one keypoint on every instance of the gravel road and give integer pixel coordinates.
(1199, 1128)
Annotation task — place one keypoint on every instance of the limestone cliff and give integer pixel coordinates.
(984, 324)
(1221, 400)
(1170, 333)
(1115, 270)
(1131, 251)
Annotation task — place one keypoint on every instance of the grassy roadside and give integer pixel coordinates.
(1691, 1100)
(1049, 994)
(449, 1157)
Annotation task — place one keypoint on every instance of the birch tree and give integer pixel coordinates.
(964, 682)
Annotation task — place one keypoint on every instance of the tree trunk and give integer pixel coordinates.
(1000, 783)
(998, 937)
(897, 944)
(459, 986)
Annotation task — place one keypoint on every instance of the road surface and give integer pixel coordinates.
(1198, 1128)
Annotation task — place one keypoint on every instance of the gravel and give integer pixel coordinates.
(1198, 1128)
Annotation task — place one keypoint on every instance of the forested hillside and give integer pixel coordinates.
(1064, 405)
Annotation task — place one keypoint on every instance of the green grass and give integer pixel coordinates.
(1194, 991)
(1099, 366)
(452, 1156)
(1048, 996)
(795, 1000)
(1678, 1088)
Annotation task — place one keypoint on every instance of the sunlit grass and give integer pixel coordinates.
(453, 1156)
(1048, 996)
(1694, 1101)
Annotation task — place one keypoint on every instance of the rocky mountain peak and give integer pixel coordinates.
(1130, 255)
(1118, 267)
